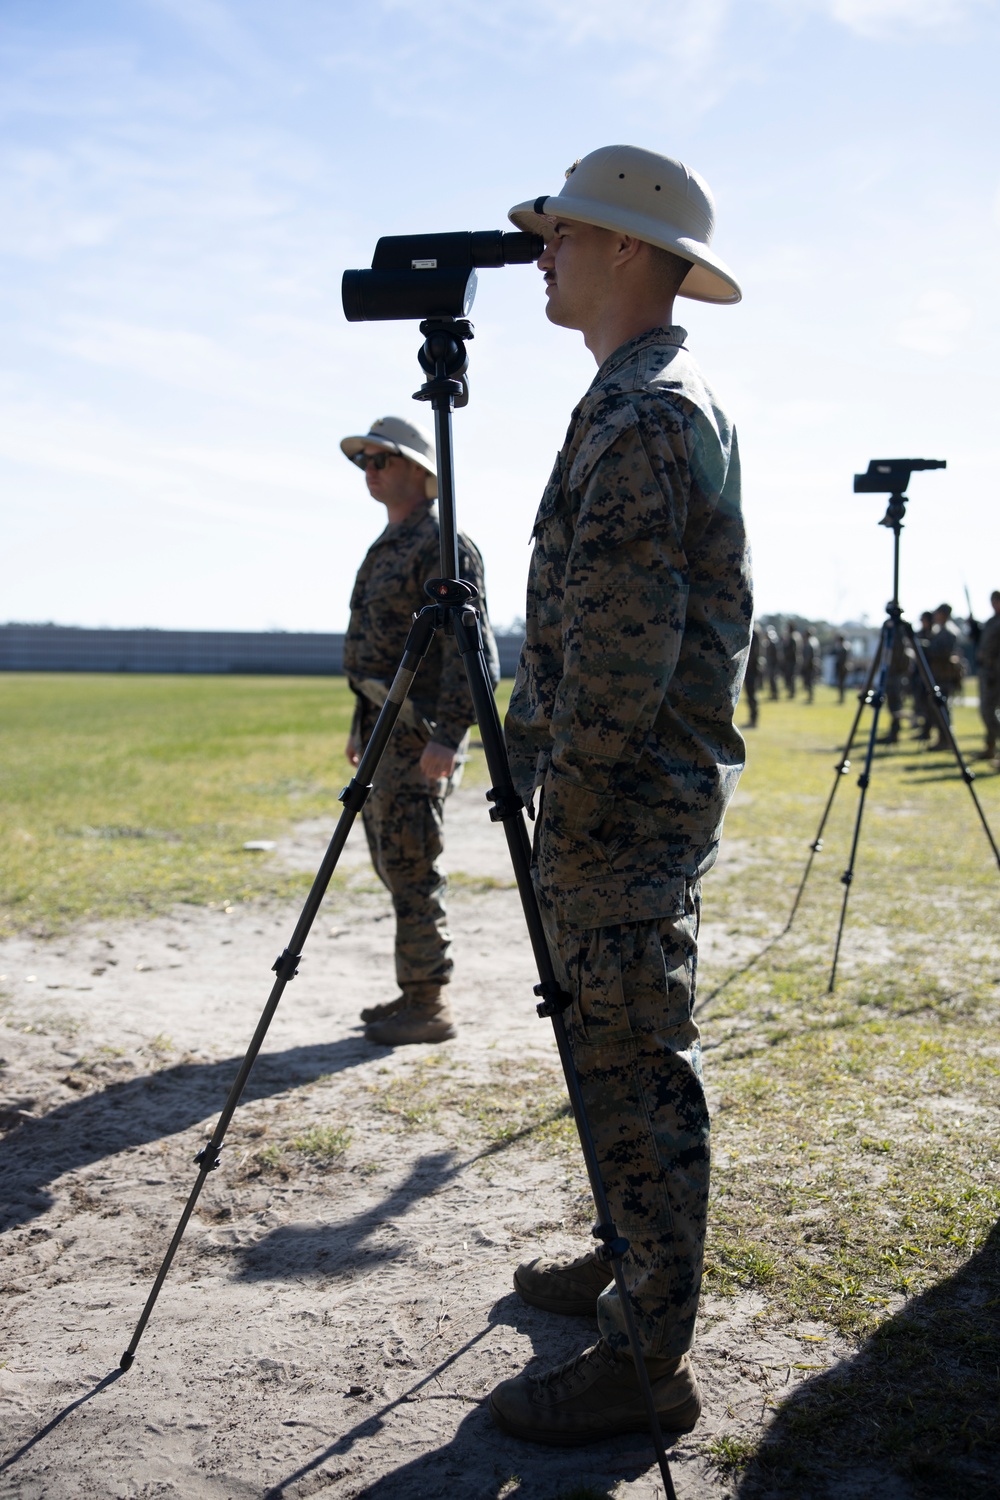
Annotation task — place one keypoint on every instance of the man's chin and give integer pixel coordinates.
(555, 315)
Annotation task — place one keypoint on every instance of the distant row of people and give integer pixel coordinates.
(941, 639)
(941, 642)
(781, 660)
(793, 658)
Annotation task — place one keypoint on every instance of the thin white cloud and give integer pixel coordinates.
(883, 18)
(646, 41)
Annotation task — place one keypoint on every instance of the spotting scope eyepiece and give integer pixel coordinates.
(890, 476)
(431, 275)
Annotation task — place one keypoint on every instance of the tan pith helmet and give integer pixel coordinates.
(653, 197)
(395, 435)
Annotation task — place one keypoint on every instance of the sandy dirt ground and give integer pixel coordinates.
(329, 1327)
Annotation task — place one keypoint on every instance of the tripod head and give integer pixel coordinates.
(444, 359)
(892, 476)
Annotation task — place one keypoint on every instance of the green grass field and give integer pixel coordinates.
(856, 1181)
(855, 1134)
(124, 794)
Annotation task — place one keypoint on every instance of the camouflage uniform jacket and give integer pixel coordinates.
(988, 651)
(944, 656)
(638, 622)
(388, 591)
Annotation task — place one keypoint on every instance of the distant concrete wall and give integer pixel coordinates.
(65, 648)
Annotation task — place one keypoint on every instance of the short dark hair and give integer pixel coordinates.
(668, 268)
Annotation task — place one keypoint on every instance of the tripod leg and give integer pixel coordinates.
(881, 663)
(841, 769)
(507, 809)
(285, 966)
(935, 697)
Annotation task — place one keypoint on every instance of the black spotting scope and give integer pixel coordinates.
(890, 476)
(431, 275)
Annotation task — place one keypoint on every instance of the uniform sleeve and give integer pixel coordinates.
(623, 609)
(454, 711)
(623, 617)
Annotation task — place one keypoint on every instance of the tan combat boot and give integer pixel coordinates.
(384, 1011)
(571, 1287)
(595, 1396)
(424, 1016)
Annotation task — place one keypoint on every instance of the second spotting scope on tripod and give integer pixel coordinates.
(890, 476)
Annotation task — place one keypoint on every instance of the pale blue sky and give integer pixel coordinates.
(182, 183)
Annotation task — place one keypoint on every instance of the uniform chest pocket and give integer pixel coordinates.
(553, 499)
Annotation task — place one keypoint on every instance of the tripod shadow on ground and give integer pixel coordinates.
(913, 1414)
(522, 1471)
(60, 1417)
(334, 1249)
(124, 1115)
(922, 772)
(346, 1248)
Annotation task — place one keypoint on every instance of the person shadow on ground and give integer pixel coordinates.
(913, 1416)
(149, 1108)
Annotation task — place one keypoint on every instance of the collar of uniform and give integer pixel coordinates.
(674, 337)
(419, 513)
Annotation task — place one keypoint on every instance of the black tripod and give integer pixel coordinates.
(444, 360)
(872, 696)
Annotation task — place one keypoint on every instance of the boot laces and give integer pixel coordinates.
(573, 1368)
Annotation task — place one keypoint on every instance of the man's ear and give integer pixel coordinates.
(627, 248)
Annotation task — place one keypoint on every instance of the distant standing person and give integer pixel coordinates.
(751, 682)
(840, 658)
(404, 814)
(790, 648)
(988, 662)
(772, 662)
(810, 663)
(944, 657)
(922, 708)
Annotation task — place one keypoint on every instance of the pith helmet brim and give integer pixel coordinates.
(647, 195)
(393, 435)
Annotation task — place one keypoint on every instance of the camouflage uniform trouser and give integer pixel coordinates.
(638, 1054)
(405, 830)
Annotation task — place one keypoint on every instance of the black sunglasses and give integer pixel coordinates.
(377, 460)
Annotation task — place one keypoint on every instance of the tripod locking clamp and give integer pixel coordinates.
(553, 999)
(203, 1161)
(504, 806)
(613, 1245)
(354, 796)
(286, 965)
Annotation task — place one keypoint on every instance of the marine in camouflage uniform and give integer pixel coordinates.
(621, 721)
(752, 679)
(900, 666)
(621, 737)
(810, 663)
(404, 814)
(772, 662)
(988, 663)
(944, 657)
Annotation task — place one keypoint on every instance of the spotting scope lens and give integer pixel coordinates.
(431, 275)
